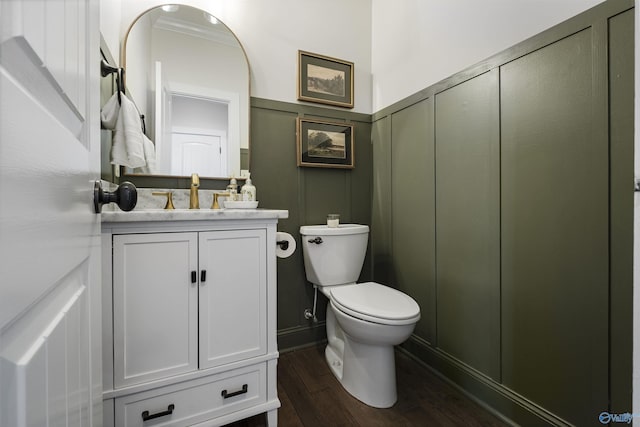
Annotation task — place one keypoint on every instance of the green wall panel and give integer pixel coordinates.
(308, 194)
(362, 188)
(381, 201)
(621, 80)
(413, 210)
(468, 222)
(326, 191)
(555, 231)
(275, 175)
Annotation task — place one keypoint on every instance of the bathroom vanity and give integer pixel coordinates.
(189, 316)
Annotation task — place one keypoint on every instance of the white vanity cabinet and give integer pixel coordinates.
(189, 321)
(155, 306)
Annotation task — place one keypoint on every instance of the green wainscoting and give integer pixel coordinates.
(468, 222)
(413, 213)
(512, 221)
(380, 236)
(309, 194)
(555, 230)
(621, 111)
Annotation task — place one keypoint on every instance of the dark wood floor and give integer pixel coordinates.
(311, 396)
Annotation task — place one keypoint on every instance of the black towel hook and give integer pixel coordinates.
(121, 80)
(106, 69)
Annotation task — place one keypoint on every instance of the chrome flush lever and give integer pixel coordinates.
(316, 240)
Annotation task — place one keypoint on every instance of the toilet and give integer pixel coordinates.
(364, 320)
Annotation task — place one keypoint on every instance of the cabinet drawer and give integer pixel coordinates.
(191, 402)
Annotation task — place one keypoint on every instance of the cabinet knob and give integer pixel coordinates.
(203, 276)
(194, 276)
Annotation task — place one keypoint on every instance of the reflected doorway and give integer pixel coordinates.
(199, 128)
(200, 153)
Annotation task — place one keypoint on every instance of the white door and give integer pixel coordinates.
(198, 153)
(50, 371)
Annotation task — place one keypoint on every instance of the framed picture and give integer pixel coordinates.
(324, 144)
(325, 80)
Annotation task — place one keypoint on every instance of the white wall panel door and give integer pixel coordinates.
(50, 371)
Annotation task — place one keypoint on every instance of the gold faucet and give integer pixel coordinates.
(193, 198)
(215, 204)
(169, 194)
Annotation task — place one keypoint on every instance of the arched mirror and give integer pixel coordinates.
(189, 76)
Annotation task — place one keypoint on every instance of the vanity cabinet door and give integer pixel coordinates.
(233, 303)
(155, 306)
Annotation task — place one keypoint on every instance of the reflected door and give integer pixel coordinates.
(162, 122)
(197, 153)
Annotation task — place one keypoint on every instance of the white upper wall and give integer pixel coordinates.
(398, 47)
(110, 20)
(272, 32)
(417, 43)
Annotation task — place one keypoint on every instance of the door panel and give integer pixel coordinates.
(154, 306)
(49, 254)
(236, 273)
(197, 153)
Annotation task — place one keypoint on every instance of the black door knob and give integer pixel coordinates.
(125, 196)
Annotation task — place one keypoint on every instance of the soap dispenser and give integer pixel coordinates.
(248, 190)
(232, 189)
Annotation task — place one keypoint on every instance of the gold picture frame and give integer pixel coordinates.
(325, 80)
(324, 144)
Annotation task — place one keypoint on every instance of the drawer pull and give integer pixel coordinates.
(169, 411)
(227, 395)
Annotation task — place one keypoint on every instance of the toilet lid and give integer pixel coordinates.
(375, 302)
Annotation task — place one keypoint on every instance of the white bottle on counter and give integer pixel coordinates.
(232, 189)
(248, 190)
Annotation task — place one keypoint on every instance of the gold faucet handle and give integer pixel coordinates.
(169, 195)
(215, 204)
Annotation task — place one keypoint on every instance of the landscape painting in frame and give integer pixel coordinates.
(325, 80)
(324, 144)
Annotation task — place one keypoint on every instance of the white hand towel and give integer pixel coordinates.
(149, 157)
(109, 113)
(128, 145)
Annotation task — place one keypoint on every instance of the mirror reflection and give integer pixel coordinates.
(189, 77)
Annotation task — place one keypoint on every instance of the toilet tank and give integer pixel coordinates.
(334, 255)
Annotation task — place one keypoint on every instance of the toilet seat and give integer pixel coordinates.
(373, 302)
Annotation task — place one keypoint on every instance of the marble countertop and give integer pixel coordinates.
(192, 215)
(150, 208)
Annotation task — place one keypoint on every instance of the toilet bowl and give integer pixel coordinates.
(364, 320)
